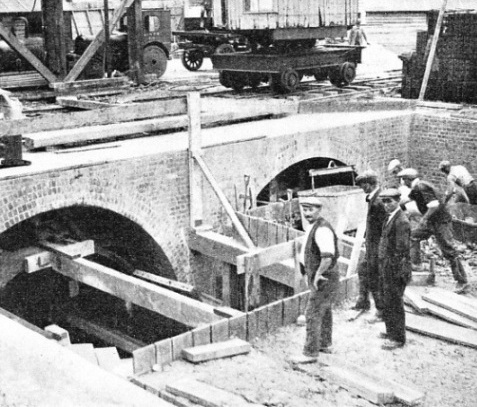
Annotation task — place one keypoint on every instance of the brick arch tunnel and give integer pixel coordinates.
(296, 178)
(44, 297)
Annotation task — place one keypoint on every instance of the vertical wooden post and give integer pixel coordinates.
(107, 53)
(54, 35)
(195, 145)
(432, 52)
(135, 42)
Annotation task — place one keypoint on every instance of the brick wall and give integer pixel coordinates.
(436, 138)
(153, 191)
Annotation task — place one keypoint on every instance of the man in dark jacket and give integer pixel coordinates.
(368, 272)
(319, 257)
(437, 221)
(395, 266)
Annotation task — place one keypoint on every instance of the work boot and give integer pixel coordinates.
(458, 271)
(361, 304)
(461, 288)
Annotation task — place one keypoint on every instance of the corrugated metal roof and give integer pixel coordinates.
(416, 5)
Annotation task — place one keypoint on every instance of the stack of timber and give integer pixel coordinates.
(442, 314)
(453, 77)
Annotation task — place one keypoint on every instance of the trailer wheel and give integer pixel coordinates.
(254, 80)
(239, 80)
(224, 49)
(320, 74)
(192, 59)
(225, 78)
(289, 79)
(155, 60)
(348, 72)
(334, 75)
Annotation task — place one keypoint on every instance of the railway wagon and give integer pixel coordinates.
(286, 32)
(281, 16)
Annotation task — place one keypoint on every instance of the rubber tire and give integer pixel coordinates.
(334, 75)
(289, 80)
(225, 78)
(320, 75)
(348, 72)
(155, 60)
(192, 59)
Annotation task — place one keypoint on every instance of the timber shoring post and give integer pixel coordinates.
(432, 51)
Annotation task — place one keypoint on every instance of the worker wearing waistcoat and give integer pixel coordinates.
(319, 257)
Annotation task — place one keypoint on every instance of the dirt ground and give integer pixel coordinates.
(444, 372)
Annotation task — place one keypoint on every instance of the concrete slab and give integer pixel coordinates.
(37, 372)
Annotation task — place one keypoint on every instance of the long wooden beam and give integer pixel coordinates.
(224, 201)
(104, 116)
(157, 299)
(13, 42)
(97, 42)
(108, 335)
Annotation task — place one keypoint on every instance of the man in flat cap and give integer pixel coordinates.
(368, 272)
(437, 221)
(395, 267)
(319, 256)
(458, 175)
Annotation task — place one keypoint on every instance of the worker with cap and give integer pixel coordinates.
(395, 267)
(368, 271)
(318, 257)
(437, 221)
(394, 168)
(458, 175)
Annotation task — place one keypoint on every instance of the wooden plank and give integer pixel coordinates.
(441, 330)
(219, 331)
(179, 343)
(270, 255)
(262, 233)
(413, 298)
(201, 335)
(218, 350)
(84, 85)
(74, 102)
(108, 358)
(157, 299)
(238, 327)
(144, 359)
(96, 43)
(223, 200)
(195, 147)
(19, 47)
(356, 251)
(206, 395)
(458, 298)
(72, 250)
(38, 261)
(215, 245)
(450, 316)
(105, 116)
(402, 393)
(164, 351)
(30, 326)
(451, 302)
(86, 351)
(164, 282)
(350, 379)
(108, 335)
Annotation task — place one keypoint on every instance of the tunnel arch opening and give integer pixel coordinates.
(45, 297)
(296, 178)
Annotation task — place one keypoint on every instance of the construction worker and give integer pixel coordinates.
(357, 36)
(394, 168)
(368, 272)
(457, 175)
(395, 268)
(437, 221)
(319, 256)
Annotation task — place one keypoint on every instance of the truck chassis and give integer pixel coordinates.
(284, 70)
